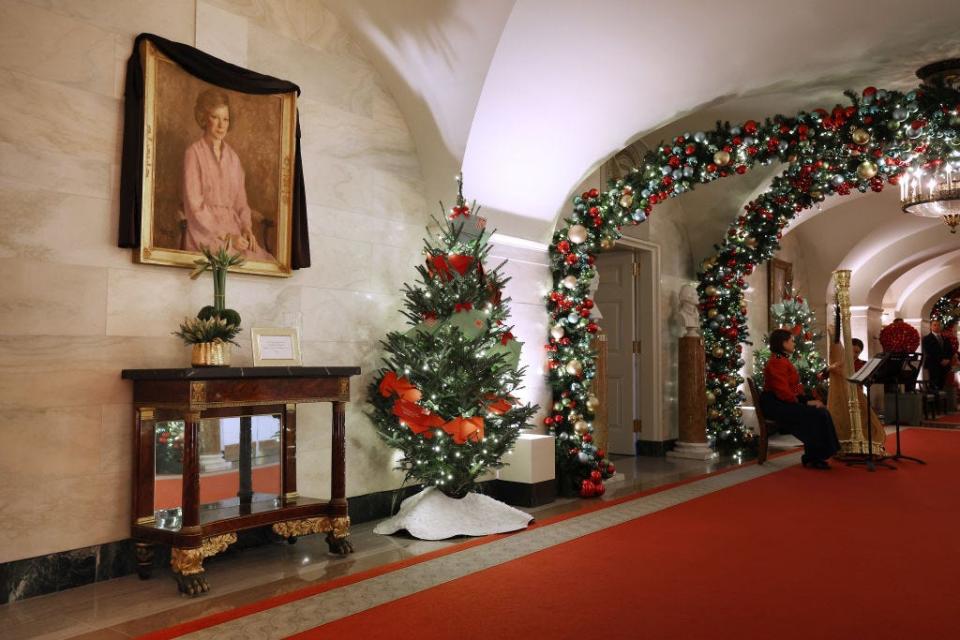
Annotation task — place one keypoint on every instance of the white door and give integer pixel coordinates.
(616, 298)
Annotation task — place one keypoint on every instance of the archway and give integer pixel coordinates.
(855, 148)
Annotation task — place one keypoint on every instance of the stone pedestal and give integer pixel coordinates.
(528, 479)
(692, 401)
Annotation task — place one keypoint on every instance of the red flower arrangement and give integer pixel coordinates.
(899, 337)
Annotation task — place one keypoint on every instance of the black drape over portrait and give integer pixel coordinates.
(216, 72)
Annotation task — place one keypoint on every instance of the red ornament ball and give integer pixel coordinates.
(595, 476)
(587, 489)
(600, 489)
(593, 193)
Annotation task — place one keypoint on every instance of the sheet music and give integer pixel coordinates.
(867, 370)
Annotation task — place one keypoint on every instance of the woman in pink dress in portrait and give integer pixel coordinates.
(214, 190)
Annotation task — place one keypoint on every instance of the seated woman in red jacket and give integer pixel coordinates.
(783, 400)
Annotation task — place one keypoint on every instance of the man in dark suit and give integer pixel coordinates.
(937, 353)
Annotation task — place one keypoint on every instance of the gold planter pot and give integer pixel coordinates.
(210, 354)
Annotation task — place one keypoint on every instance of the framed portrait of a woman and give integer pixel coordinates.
(218, 169)
(779, 285)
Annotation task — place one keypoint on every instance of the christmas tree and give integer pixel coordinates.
(444, 397)
(793, 313)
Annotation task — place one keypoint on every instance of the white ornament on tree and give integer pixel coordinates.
(577, 233)
(570, 282)
(557, 332)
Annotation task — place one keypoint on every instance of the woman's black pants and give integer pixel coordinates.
(811, 425)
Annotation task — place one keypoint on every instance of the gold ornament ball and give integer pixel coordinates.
(626, 200)
(711, 290)
(577, 234)
(593, 403)
(718, 352)
(574, 367)
(867, 169)
(817, 196)
(557, 332)
(581, 427)
(860, 136)
(751, 242)
(574, 417)
(714, 414)
(721, 158)
(712, 313)
(711, 398)
(570, 282)
(606, 243)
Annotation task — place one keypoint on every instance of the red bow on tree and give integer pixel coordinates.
(460, 211)
(462, 429)
(506, 337)
(497, 404)
(441, 265)
(419, 420)
(462, 306)
(402, 387)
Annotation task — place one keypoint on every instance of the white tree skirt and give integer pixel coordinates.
(432, 515)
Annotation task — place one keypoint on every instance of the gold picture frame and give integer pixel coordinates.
(261, 144)
(276, 347)
(779, 285)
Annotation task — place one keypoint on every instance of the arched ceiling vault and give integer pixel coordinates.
(530, 96)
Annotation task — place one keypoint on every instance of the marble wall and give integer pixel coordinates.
(76, 310)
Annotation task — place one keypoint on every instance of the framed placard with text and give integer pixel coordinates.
(275, 347)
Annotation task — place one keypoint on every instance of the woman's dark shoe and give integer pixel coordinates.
(820, 464)
(805, 460)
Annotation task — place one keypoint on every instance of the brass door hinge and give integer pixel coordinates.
(637, 425)
(636, 269)
(636, 346)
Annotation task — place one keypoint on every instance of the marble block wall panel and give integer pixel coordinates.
(58, 227)
(332, 78)
(24, 166)
(221, 34)
(172, 19)
(70, 53)
(76, 122)
(305, 21)
(45, 298)
(77, 309)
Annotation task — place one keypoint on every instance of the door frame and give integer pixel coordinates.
(648, 327)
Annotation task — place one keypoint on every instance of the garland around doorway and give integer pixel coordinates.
(859, 147)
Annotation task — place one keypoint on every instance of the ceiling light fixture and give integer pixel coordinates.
(933, 189)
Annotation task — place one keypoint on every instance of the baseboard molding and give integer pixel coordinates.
(655, 448)
(29, 577)
(520, 494)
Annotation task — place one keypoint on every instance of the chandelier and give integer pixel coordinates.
(933, 189)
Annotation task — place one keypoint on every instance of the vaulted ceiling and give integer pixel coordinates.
(530, 96)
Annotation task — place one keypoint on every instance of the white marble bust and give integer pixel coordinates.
(689, 311)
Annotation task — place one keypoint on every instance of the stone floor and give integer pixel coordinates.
(126, 607)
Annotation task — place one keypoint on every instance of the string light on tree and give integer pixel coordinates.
(452, 413)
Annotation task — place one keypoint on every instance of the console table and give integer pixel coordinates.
(184, 481)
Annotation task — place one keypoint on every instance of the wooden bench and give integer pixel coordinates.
(767, 427)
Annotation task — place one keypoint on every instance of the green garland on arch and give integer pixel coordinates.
(858, 147)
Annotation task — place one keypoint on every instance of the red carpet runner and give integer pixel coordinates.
(796, 554)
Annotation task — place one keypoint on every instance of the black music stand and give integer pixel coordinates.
(899, 369)
(869, 375)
